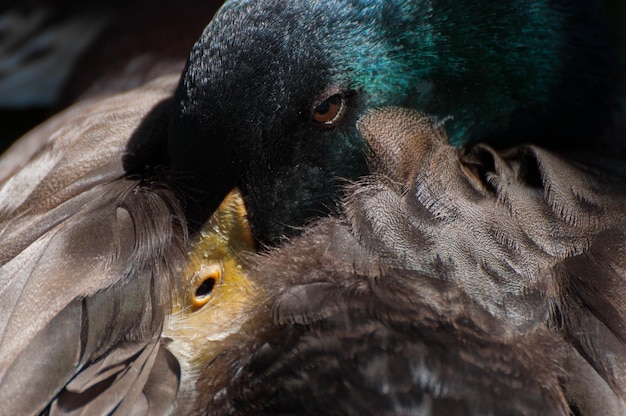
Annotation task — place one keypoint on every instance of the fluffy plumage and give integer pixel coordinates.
(104, 195)
(474, 283)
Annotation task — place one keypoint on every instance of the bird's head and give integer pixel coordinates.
(272, 90)
(217, 296)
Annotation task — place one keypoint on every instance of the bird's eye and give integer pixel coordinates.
(204, 284)
(330, 111)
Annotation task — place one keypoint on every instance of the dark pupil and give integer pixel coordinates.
(324, 107)
(205, 288)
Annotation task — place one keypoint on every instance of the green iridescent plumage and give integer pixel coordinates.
(539, 71)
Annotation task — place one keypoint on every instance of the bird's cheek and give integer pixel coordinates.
(218, 244)
(217, 295)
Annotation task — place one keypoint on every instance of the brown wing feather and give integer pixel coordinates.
(470, 282)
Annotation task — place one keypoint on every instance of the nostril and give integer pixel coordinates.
(206, 288)
(204, 284)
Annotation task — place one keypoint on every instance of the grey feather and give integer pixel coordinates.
(88, 254)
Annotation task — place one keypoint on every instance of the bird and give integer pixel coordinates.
(503, 298)
(100, 202)
(454, 281)
(284, 106)
(217, 299)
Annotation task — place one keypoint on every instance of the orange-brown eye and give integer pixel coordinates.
(329, 111)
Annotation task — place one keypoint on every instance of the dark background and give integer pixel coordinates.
(129, 42)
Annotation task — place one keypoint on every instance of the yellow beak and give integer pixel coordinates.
(217, 295)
